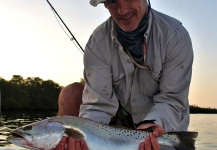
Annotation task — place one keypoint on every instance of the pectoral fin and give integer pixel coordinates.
(76, 134)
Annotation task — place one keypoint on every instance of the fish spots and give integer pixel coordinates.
(121, 135)
(173, 138)
(105, 128)
(124, 133)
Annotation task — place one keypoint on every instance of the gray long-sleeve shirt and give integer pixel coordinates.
(159, 93)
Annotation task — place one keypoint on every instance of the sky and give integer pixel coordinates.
(33, 44)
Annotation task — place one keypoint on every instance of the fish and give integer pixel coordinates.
(47, 133)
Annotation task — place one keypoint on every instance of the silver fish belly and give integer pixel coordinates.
(97, 136)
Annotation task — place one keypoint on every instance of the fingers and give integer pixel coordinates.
(147, 143)
(84, 145)
(142, 146)
(150, 143)
(154, 143)
(158, 131)
(76, 145)
(71, 143)
(145, 126)
(62, 143)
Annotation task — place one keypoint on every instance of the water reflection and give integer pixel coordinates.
(205, 124)
(13, 120)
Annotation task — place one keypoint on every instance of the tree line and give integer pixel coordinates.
(34, 93)
(196, 109)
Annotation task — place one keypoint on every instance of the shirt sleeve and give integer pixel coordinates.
(171, 108)
(99, 101)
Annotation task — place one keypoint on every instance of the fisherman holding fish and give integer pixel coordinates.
(137, 71)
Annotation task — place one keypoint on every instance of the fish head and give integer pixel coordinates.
(44, 134)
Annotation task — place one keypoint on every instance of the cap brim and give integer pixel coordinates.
(96, 2)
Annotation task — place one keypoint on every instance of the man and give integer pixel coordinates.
(140, 61)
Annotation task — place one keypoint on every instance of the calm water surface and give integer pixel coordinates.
(205, 124)
(12, 120)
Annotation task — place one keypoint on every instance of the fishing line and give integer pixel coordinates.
(66, 32)
(61, 25)
(77, 46)
(73, 39)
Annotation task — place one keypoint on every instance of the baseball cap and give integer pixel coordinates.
(96, 2)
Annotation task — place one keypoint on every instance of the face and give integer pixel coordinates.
(127, 13)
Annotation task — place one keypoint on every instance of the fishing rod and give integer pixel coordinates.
(73, 38)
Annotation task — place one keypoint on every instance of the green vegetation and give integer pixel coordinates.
(195, 109)
(29, 94)
(35, 94)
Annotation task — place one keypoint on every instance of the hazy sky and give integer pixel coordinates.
(32, 44)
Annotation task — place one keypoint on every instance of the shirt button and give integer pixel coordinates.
(88, 74)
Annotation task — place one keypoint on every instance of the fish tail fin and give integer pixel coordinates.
(186, 140)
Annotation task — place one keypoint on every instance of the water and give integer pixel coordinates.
(205, 124)
(12, 120)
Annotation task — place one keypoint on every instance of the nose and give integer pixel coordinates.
(122, 7)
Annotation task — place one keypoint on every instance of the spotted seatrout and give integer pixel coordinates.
(46, 134)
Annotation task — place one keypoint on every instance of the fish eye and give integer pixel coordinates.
(111, 1)
(27, 128)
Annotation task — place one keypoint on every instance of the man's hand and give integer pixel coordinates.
(151, 142)
(70, 144)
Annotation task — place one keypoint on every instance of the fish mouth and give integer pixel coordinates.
(19, 140)
(20, 136)
(17, 136)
